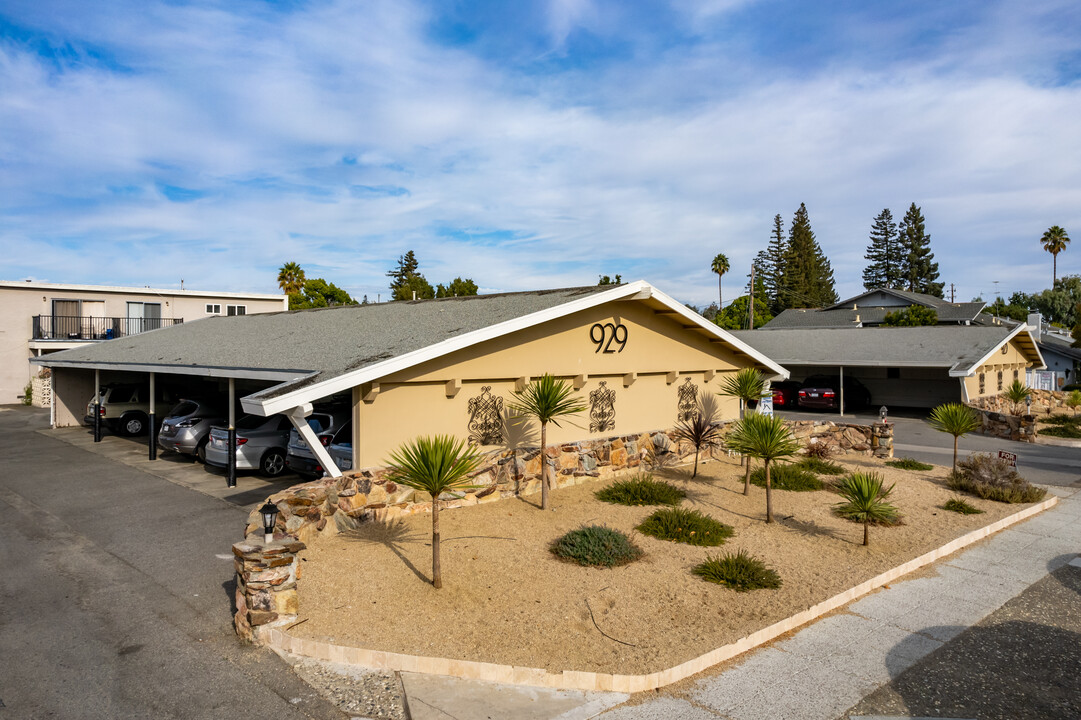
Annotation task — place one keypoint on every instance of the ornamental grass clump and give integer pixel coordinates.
(992, 478)
(865, 501)
(909, 464)
(685, 526)
(739, 571)
(794, 478)
(641, 489)
(596, 546)
(961, 506)
(820, 466)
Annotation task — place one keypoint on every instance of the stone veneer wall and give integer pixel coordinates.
(266, 577)
(997, 417)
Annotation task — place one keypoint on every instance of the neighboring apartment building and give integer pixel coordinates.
(39, 318)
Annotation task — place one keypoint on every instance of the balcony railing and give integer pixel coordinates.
(74, 327)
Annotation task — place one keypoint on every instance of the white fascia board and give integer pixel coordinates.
(866, 363)
(638, 290)
(202, 371)
(971, 369)
(113, 289)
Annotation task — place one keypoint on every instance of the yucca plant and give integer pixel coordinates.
(547, 399)
(1016, 393)
(957, 420)
(434, 465)
(767, 438)
(748, 385)
(700, 431)
(865, 502)
(739, 571)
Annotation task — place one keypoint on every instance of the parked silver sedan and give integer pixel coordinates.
(187, 427)
(260, 444)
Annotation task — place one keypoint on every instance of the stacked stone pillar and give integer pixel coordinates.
(882, 440)
(266, 584)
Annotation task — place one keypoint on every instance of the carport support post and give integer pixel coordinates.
(153, 435)
(231, 478)
(97, 406)
(842, 390)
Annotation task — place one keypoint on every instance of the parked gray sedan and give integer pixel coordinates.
(187, 428)
(260, 444)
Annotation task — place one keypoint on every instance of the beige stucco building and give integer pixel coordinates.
(40, 318)
(638, 358)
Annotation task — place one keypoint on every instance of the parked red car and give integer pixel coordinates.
(785, 394)
(822, 392)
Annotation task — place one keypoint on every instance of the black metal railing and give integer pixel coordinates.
(75, 327)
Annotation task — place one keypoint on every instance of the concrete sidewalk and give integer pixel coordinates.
(828, 667)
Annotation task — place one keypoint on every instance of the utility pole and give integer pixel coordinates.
(750, 302)
(951, 293)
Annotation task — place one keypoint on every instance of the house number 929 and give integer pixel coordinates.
(604, 335)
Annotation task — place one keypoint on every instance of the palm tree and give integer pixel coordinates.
(957, 420)
(767, 438)
(865, 502)
(1016, 393)
(546, 399)
(1055, 241)
(434, 465)
(720, 266)
(700, 430)
(291, 278)
(748, 384)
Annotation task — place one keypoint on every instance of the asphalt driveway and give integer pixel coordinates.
(115, 599)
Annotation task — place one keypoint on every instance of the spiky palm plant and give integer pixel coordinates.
(957, 420)
(748, 384)
(720, 266)
(291, 278)
(865, 502)
(434, 465)
(700, 431)
(1055, 241)
(547, 398)
(1016, 393)
(767, 438)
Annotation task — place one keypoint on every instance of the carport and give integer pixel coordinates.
(917, 367)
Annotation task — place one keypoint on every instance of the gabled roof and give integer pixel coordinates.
(1062, 346)
(320, 352)
(856, 312)
(910, 298)
(962, 349)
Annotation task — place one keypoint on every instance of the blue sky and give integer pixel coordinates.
(530, 144)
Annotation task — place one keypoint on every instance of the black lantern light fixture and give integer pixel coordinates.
(269, 511)
(882, 414)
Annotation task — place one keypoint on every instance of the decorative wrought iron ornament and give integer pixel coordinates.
(688, 401)
(602, 408)
(486, 418)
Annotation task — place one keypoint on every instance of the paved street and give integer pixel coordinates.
(116, 590)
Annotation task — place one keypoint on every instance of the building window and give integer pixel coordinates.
(1015, 377)
(1000, 381)
(236, 309)
(893, 373)
(213, 309)
(983, 384)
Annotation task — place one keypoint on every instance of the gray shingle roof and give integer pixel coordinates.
(1062, 346)
(955, 347)
(846, 316)
(326, 341)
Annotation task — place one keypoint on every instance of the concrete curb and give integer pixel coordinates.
(279, 640)
(1057, 442)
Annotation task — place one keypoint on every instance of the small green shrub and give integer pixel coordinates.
(1062, 426)
(641, 489)
(596, 545)
(28, 394)
(1060, 420)
(992, 478)
(787, 477)
(738, 571)
(960, 505)
(685, 526)
(909, 464)
(819, 466)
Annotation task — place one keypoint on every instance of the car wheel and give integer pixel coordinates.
(133, 424)
(273, 463)
(200, 452)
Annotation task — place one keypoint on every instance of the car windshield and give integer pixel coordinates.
(251, 422)
(185, 408)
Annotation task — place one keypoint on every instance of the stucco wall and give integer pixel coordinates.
(1012, 359)
(72, 389)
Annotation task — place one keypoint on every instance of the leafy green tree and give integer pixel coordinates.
(866, 501)
(920, 272)
(1059, 304)
(883, 254)
(720, 266)
(435, 465)
(1000, 308)
(290, 278)
(407, 266)
(456, 288)
(605, 280)
(911, 316)
(318, 293)
(954, 419)
(414, 287)
(547, 399)
(807, 280)
(773, 270)
(767, 438)
(1054, 241)
(734, 317)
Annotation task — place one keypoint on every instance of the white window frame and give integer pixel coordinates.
(233, 310)
(213, 309)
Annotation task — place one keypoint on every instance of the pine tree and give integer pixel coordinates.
(884, 254)
(772, 274)
(808, 278)
(919, 272)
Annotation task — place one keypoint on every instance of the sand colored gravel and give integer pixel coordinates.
(506, 599)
